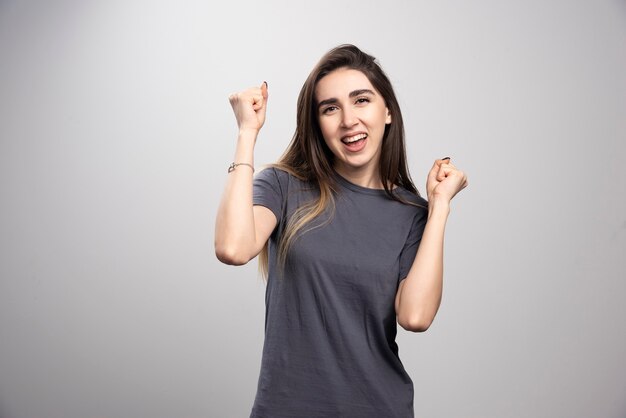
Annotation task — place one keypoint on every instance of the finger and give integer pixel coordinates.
(438, 163)
(444, 160)
(457, 177)
(441, 173)
(247, 96)
(264, 95)
(257, 101)
(464, 182)
(444, 171)
(432, 174)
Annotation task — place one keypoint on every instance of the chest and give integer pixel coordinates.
(356, 246)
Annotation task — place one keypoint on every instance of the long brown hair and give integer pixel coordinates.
(308, 157)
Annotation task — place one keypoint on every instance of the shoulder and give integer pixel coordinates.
(418, 202)
(281, 182)
(271, 172)
(279, 176)
(272, 175)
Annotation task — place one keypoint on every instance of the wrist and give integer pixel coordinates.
(247, 133)
(439, 205)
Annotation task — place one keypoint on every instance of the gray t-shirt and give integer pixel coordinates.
(330, 322)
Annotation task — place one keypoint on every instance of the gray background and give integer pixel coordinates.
(116, 133)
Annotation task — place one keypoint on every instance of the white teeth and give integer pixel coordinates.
(354, 138)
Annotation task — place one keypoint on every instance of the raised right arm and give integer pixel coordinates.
(241, 229)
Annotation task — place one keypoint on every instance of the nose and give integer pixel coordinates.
(348, 118)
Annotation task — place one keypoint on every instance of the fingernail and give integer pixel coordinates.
(266, 85)
(445, 158)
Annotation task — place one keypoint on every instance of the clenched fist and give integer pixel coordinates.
(444, 180)
(249, 107)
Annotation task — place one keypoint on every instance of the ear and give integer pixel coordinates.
(388, 119)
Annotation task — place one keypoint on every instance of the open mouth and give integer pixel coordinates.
(352, 140)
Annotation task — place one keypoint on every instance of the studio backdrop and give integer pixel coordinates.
(115, 138)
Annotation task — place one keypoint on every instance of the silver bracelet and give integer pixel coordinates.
(234, 165)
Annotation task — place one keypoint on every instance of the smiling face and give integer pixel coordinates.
(352, 116)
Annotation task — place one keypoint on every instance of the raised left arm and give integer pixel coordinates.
(419, 295)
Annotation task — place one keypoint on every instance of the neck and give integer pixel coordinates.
(363, 177)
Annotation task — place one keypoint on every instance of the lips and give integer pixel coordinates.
(353, 138)
(355, 142)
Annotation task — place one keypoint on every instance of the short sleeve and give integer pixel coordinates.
(412, 243)
(267, 191)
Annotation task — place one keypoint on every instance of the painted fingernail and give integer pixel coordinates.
(445, 158)
(266, 85)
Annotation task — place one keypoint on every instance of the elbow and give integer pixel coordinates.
(230, 256)
(414, 324)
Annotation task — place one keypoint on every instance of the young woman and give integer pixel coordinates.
(348, 245)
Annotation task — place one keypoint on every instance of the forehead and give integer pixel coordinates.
(340, 82)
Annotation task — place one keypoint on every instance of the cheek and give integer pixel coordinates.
(375, 115)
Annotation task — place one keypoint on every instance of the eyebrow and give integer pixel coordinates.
(354, 93)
